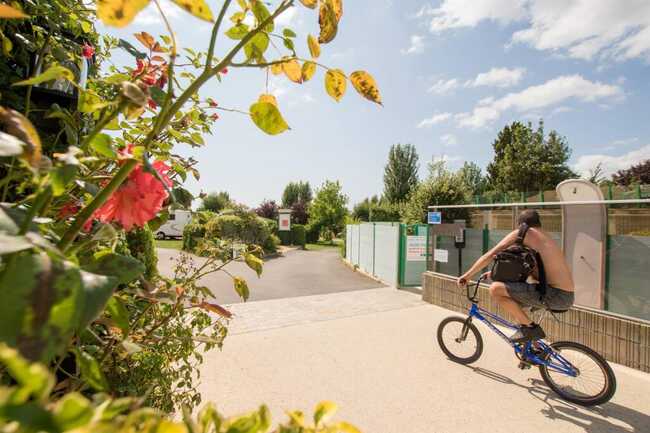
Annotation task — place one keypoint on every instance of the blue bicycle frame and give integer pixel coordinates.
(549, 357)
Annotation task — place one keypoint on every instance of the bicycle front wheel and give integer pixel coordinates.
(594, 382)
(460, 340)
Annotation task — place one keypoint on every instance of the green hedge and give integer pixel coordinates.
(312, 233)
(299, 234)
(192, 234)
(142, 246)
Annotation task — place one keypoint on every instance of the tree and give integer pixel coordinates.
(401, 172)
(596, 175)
(440, 187)
(328, 209)
(300, 212)
(361, 210)
(268, 209)
(472, 176)
(524, 160)
(216, 201)
(637, 174)
(376, 209)
(295, 192)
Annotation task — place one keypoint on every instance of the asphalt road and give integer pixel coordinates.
(296, 273)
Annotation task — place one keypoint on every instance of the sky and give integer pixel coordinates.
(451, 73)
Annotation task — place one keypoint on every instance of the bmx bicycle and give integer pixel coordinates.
(575, 372)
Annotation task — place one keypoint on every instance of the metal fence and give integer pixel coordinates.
(374, 248)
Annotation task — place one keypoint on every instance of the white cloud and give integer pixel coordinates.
(287, 17)
(449, 140)
(553, 92)
(443, 86)
(582, 29)
(498, 77)
(434, 120)
(468, 13)
(611, 164)
(151, 16)
(416, 47)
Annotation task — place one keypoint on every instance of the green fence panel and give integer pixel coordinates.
(628, 290)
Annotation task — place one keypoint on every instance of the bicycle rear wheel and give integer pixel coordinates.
(460, 340)
(594, 383)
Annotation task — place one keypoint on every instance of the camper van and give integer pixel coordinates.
(173, 228)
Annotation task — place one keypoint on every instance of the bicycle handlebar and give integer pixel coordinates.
(472, 298)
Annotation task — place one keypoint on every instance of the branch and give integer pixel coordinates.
(215, 33)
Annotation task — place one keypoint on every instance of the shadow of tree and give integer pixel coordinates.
(608, 418)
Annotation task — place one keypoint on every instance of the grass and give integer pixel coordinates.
(322, 245)
(174, 244)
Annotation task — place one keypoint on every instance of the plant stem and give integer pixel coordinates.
(99, 127)
(7, 180)
(215, 33)
(39, 203)
(103, 195)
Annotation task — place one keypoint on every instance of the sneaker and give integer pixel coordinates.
(528, 333)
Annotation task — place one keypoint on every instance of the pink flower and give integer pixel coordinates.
(224, 71)
(138, 199)
(87, 51)
(212, 103)
(214, 116)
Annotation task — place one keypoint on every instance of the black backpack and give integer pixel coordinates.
(517, 262)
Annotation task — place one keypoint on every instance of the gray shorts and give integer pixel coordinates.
(527, 295)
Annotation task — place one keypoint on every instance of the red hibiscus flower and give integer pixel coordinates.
(68, 209)
(87, 51)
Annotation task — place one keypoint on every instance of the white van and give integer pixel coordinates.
(173, 228)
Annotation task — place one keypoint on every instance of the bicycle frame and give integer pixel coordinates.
(553, 360)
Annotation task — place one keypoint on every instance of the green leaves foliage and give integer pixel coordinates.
(55, 72)
(256, 47)
(90, 370)
(261, 14)
(46, 301)
(268, 118)
(238, 31)
(103, 145)
(123, 268)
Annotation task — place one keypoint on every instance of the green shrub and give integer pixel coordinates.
(312, 233)
(142, 246)
(299, 234)
(192, 234)
(241, 227)
(271, 244)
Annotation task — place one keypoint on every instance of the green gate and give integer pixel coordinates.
(413, 254)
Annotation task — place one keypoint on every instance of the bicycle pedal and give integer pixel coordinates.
(523, 365)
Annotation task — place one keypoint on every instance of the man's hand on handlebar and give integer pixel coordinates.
(464, 279)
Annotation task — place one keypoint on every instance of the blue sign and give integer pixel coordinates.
(434, 217)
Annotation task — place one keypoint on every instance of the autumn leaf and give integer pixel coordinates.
(366, 86)
(7, 11)
(308, 70)
(268, 118)
(198, 8)
(335, 83)
(241, 287)
(268, 98)
(324, 411)
(337, 6)
(311, 4)
(119, 13)
(314, 46)
(291, 69)
(14, 123)
(276, 68)
(218, 309)
(145, 39)
(328, 23)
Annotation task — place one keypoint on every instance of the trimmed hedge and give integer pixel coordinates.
(312, 233)
(192, 233)
(299, 234)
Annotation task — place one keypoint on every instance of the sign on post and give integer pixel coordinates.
(284, 220)
(434, 217)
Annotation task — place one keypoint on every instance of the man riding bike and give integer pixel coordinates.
(559, 291)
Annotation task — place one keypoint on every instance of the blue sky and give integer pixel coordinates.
(451, 73)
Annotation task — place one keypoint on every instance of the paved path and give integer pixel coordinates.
(296, 273)
(374, 353)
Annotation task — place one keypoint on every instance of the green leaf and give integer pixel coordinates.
(289, 44)
(123, 268)
(61, 176)
(119, 313)
(238, 32)
(10, 219)
(257, 46)
(11, 244)
(288, 33)
(255, 263)
(262, 13)
(129, 48)
(90, 102)
(241, 287)
(55, 72)
(324, 411)
(158, 95)
(10, 145)
(90, 370)
(268, 118)
(34, 378)
(72, 411)
(103, 144)
(31, 417)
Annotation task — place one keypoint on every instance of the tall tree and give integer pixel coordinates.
(526, 160)
(472, 176)
(296, 192)
(328, 211)
(216, 201)
(401, 172)
(268, 209)
(638, 173)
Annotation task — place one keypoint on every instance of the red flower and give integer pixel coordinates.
(87, 51)
(152, 104)
(138, 199)
(224, 71)
(214, 116)
(68, 209)
(140, 67)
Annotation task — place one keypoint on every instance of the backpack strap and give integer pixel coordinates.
(541, 287)
(523, 229)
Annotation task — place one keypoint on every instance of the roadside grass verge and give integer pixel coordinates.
(323, 245)
(174, 244)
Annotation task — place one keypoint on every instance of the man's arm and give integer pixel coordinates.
(486, 258)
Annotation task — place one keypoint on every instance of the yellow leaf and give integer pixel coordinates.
(335, 83)
(344, 427)
(145, 39)
(324, 411)
(276, 68)
(366, 86)
(14, 123)
(119, 13)
(328, 23)
(167, 426)
(268, 98)
(311, 4)
(241, 287)
(291, 69)
(308, 70)
(268, 118)
(198, 8)
(54, 72)
(314, 46)
(337, 6)
(7, 11)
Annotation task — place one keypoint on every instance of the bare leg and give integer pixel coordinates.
(500, 294)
